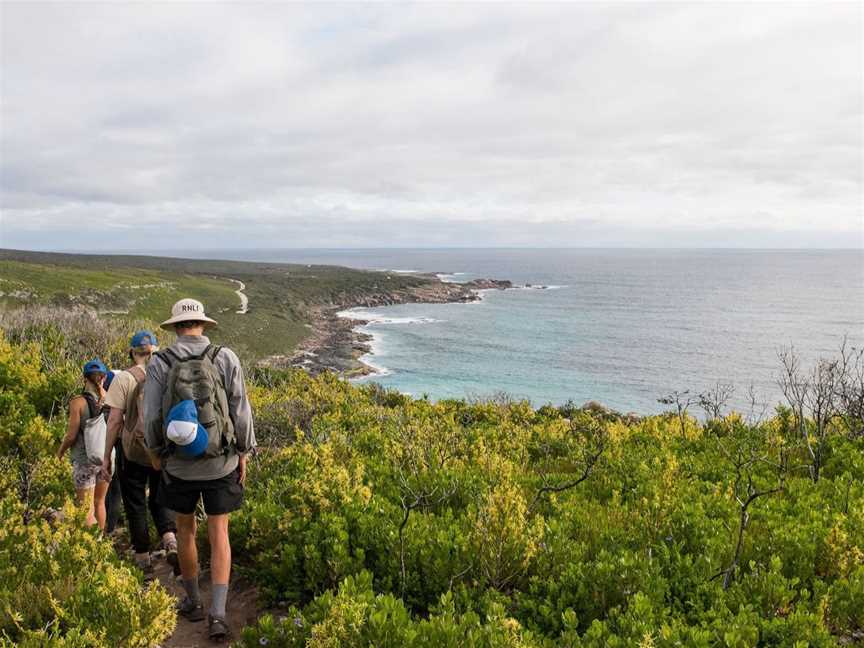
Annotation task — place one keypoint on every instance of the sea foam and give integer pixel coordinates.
(376, 318)
(450, 277)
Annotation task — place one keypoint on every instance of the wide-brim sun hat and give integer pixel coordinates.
(188, 310)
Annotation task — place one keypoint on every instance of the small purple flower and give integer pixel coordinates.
(263, 641)
(298, 621)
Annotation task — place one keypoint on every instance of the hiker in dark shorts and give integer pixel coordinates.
(90, 488)
(135, 470)
(197, 419)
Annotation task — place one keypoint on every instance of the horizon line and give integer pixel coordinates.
(143, 252)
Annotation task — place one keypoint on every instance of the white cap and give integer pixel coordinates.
(182, 432)
(188, 310)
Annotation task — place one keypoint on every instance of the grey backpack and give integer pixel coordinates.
(197, 378)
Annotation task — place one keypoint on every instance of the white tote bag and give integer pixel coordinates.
(95, 430)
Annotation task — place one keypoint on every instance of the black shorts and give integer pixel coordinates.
(220, 496)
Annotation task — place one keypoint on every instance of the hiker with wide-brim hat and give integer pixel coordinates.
(188, 310)
(136, 469)
(197, 419)
(90, 488)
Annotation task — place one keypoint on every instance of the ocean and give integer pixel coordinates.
(622, 327)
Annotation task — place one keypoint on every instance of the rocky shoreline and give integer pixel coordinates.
(335, 344)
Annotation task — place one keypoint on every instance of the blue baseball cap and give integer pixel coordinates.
(185, 431)
(95, 366)
(144, 340)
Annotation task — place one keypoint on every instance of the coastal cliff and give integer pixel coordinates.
(283, 314)
(335, 344)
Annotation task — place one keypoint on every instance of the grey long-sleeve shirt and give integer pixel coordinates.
(238, 409)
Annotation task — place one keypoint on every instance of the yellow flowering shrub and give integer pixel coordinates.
(504, 537)
(62, 584)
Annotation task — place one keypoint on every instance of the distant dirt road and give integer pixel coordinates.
(244, 300)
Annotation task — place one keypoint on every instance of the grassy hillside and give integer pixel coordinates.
(140, 287)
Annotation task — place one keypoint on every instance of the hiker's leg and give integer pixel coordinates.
(99, 493)
(133, 484)
(85, 500)
(187, 553)
(112, 505)
(186, 549)
(220, 563)
(182, 497)
(220, 549)
(114, 500)
(221, 496)
(163, 517)
(84, 478)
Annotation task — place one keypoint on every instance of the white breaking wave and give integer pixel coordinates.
(450, 277)
(376, 318)
(373, 318)
(405, 271)
(541, 287)
(368, 358)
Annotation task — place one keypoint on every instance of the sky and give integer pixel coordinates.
(142, 126)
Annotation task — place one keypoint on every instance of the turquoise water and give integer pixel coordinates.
(623, 327)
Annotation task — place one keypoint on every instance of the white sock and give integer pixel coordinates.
(167, 538)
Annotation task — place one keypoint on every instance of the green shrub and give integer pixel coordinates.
(61, 584)
(357, 617)
(391, 521)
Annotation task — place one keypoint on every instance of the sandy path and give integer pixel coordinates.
(242, 609)
(244, 300)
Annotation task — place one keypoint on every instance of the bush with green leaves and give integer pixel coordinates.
(357, 616)
(376, 519)
(61, 583)
(590, 529)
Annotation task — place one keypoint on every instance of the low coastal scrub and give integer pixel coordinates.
(61, 584)
(406, 522)
(376, 519)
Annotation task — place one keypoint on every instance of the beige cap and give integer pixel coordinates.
(188, 310)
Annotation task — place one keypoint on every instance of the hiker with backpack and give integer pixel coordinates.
(85, 421)
(137, 468)
(197, 419)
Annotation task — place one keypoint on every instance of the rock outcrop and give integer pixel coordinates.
(336, 345)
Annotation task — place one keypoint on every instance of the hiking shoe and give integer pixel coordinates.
(190, 610)
(218, 630)
(171, 557)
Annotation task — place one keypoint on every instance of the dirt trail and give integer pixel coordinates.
(244, 300)
(242, 609)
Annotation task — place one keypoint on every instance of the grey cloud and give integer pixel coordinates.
(416, 124)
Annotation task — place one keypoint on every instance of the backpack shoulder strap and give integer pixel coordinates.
(91, 403)
(138, 373)
(169, 357)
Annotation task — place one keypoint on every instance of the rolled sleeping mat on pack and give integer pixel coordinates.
(184, 430)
